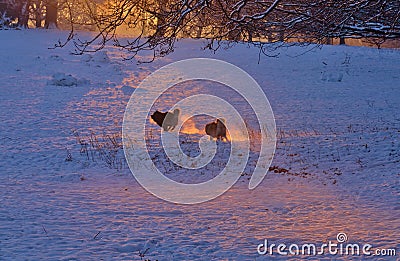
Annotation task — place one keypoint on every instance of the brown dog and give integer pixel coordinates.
(216, 129)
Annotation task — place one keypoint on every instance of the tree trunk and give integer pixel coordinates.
(199, 31)
(38, 14)
(200, 20)
(342, 40)
(23, 14)
(51, 15)
(250, 35)
(38, 19)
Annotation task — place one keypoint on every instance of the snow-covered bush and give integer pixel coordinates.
(86, 57)
(101, 57)
(62, 79)
(97, 57)
(332, 76)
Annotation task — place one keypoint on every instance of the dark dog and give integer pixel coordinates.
(166, 120)
(216, 129)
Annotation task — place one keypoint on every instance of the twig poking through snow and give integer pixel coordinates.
(44, 230)
(95, 237)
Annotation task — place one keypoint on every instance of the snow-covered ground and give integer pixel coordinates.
(65, 194)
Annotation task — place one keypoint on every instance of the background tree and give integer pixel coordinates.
(14, 13)
(37, 12)
(51, 14)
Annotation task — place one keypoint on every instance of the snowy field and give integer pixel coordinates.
(67, 194)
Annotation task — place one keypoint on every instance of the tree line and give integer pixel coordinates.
(264, 23)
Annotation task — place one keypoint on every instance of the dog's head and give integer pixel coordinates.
(177, 111)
